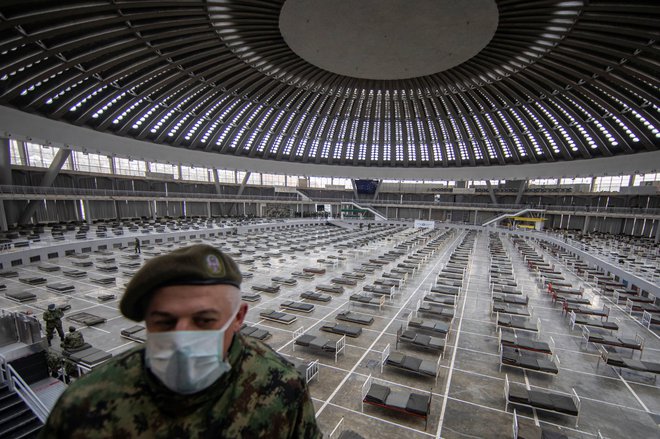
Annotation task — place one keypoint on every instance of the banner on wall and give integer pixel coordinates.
(425, 224)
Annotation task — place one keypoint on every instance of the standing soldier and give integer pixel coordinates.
(73, 340)
(137, 246)
(53, 318)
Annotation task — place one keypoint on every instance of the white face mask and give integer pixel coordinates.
(187, 361)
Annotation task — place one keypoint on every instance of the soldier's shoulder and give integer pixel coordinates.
(266, 356)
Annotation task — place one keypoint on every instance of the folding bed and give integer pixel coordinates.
(440, 300)
(82, 264)
(20, 296)
(271, 289)
(330, 288)
(356, 276)
(137, 333)
(532, 431)
(510, 299)
(409, 363)
(85, 318)
(284, 280)
(313, 295)
(318, 342)
(649, 319)
(103, 280)
(353, 317)
(367, 299)
(48, 268)
(615, 360)
(278, 317)
(641, 307)
(76, 274)
(379, 290)
(101, 296)
(33, 280)
(449, 282)
(542, 399)
(571, 300)
(308, 369)
(528, 360)
(395, 283)
(448, 290)
(60, 287)
(8, 273)
(343, 281)
(422, 341)
(338, 328)
(302, 275)
(503, 308)
(297, 306)
(438, 311)
(314, 270)
(402, 401)
(579, 309)
(251, 297)
(634, 344)
(428, 325)
(88, 357)
(254, 332)
(650, 299)
(586, 321)
(510, 339)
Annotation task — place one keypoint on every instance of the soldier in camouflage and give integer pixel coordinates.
(53, 318)
(73, 340)
(229, 387)
(54, 362)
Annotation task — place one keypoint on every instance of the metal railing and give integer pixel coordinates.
(24, 192)
(23, 390)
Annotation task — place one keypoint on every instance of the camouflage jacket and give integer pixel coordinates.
(73, 340)
(54, 316)
(262, 396)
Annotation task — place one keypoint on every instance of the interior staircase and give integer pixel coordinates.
(17, 420)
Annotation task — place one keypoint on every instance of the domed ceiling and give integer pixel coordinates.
(371, 83)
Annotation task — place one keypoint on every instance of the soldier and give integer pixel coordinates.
(53, 318)
(196, 375)
(73, 339)
(54, 362)
(138, 248)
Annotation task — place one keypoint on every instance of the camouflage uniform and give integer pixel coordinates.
(262, 396)
(54, 362)
(53, 320)
(73, 340)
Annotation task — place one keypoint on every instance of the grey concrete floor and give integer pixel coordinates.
(468, 397)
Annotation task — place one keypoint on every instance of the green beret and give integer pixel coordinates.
(199, 264)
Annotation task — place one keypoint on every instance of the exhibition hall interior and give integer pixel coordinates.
(446, 214)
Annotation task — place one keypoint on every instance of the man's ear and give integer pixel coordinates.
(240, 316)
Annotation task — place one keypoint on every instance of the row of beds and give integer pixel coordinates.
(420, 332)
(398, 400)
(600, 331)
(601, 334)
(520, 347)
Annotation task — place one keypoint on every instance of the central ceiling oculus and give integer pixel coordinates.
(387, 39)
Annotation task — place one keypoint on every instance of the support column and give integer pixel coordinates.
(521, 190)
(491, 192)
(380, 182)
(5, 179)
(54, 169)
(240, 192)
(88, 212)
(586, 224)
(656, 240)
(355, 192)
